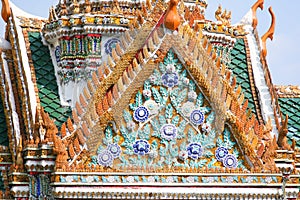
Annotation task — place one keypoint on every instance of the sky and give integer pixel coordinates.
(282, 51)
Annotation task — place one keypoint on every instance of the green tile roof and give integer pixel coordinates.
(239, 68)
(3, 127)
(291, 106)
(46, 80)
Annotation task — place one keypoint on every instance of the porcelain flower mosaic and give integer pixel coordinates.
(168, 123)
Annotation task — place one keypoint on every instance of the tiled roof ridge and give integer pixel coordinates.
(287, 91)
(266, 70)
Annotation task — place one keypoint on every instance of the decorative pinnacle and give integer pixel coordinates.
(5, 12)
(268, 34)
(172, 18)
(260, 4)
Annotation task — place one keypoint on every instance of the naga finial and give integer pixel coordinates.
(260, 4)
(268, 34)
(5, 12)
(218, 13)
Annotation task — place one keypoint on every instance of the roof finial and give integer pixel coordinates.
(268, 34)
(5, 12)
(260, 4)
(172, 18)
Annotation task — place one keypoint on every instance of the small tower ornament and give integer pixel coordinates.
(172, 18)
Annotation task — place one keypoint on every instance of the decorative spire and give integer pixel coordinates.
(260, 4)
(223, 17)
(268, 34)
(172, 18)
(5, 12)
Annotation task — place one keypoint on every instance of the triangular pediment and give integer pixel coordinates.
(167, 123)
(180, 71)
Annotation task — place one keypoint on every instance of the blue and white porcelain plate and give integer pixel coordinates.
(221, 153)
(197, 117)
(105, 158)
(168, 132)
(230, 161)
(141, 114)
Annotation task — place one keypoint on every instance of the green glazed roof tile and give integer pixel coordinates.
(46, 80)
(239, 68)
(291, 107)
(3, 127)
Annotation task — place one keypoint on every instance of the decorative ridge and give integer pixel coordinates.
(287, 91)
(268, 34)
(260, 4)
(5, 12)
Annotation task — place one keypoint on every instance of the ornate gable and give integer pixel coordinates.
(168, 123)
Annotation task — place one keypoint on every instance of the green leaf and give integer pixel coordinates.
(117, 139)
(154, 145)
(175, 120)
(164, 92)
(208, 154)
(162, 68)
(199, 101)
(192, 86)
(169, 111)
(162, 119)
(138, 99)
(127, 116)
(147, 85)
(182, 96)
(108, 134)
(191, 135)
(156, 95)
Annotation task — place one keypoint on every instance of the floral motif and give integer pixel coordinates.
(170, 179)
(197, 117)
(130, 126)
(206, 127)
(130, 179)
(89, 179)
(151, 179)
(141, 147)
(111, 179)
(221, 153)
(141, 114)
(229, 179)
(183, 155)
(151, 106)
(153, 154)
(147, 93)
(111, 43)
(105, 158)
(114, 149)
(194, 150)
(190, 179)
(230, 161)
(168, 132)
(249, 179)
(171, 68)
(187, 108)
(192, 95)
(170, 79)
(69, 179)
(210, 179)
(268, 179)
